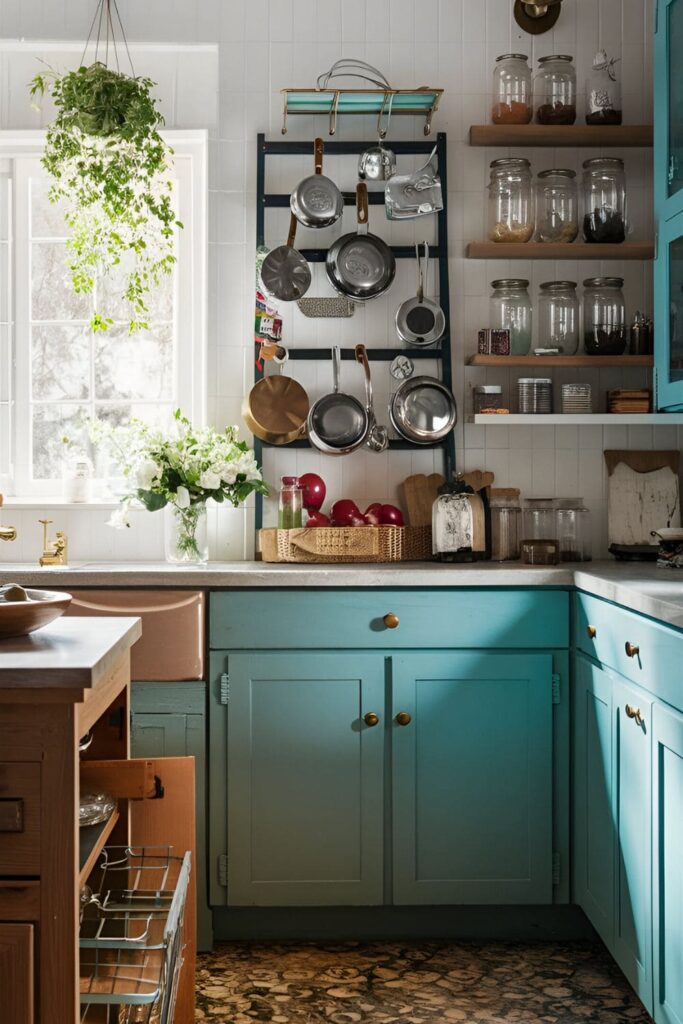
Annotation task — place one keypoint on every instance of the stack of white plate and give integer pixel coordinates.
(534, 395)
(576, 398)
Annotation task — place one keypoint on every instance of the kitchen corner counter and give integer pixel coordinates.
(640, 587)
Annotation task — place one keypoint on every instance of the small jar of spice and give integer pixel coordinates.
(511, 102)
(555, 90)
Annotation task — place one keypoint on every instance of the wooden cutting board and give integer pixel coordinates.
(643, 495)
(419, 494)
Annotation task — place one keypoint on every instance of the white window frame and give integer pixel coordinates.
(191, 148)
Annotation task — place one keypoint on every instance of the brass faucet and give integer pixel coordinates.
(54, 551)
(7, 532)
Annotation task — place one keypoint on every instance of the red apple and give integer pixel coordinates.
(343, 511)
(374, 509)
(314, 491)
(316, 519)
(391, 516)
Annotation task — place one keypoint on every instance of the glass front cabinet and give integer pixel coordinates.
(668, 166)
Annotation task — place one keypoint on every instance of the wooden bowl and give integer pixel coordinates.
(20, 617)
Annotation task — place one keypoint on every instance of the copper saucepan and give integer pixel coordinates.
(276, 408)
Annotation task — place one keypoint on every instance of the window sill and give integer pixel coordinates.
(20, 504)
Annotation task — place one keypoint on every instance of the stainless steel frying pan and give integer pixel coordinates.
(316, 202)
(423, 410)
(337, 423)
(285, 273)
(361, 265)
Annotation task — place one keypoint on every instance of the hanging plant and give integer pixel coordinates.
(109, 167)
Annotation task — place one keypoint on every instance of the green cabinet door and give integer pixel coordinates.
(594, 840)
(305, 778)
(667, 737)
(472, 777)
(632, 947)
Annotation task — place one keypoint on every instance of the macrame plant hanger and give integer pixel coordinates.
(105, 19)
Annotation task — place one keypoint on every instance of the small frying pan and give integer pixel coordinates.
(360, 265)
(423, 410)
(316, 202)
(285, 273)
(337, 424)
(420, 321)
(276, 408)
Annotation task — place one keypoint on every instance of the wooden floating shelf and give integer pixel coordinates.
(93, 839)
(579, 419)
(592, 362)
(574, 135)
(559, 251)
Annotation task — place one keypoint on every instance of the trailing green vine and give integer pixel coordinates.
(109, 166)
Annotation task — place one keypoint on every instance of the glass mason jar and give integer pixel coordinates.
(573, 530)
(185, 538)
(555, 90)
(511, 101)
(557, 216)
(290, 505)
(510, 307)
(510, 216)
(603, 92)
(558, 317)
(539, 521)
(604, 199)
(604, 316)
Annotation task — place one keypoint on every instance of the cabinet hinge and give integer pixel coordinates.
(225, 688)
(557, 867)
(223, 869)
(557, 691)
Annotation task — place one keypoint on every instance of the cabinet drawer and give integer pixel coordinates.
(20, 818)
(604, 630)
(389, 619)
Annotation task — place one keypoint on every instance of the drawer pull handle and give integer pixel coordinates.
(634, 713)
(12, 815)
(371, 719)
(632, 650)
(403, 718)
(391, 620)
(592, 632)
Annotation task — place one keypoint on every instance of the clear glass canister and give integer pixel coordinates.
(510, 204)
(604, 199)
(603, 92)
(557, 215)
(539, 519)
(506, 522)
(487, 398)
(511, 101)
(573, 530)
(558, 316)
(604, 316)
(511, 309)
(555, 90)
(291, 505)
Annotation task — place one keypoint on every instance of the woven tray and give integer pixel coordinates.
(347, 544)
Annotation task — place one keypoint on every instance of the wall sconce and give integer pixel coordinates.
(536, 18)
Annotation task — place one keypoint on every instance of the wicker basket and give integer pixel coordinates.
(347, 544)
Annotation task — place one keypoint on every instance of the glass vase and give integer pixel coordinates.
(185, 535)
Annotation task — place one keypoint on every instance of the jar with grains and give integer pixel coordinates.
(558, 316)
(604, 316)
(510, 309)
(603, 92)
(604, 199)
(511, 102)
(487, 398)
(557, 217)
(510, 216)
(555, 90)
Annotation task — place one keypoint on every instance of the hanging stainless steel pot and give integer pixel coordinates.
(361, 265)
(376, 163)
(420, 321)
(423, 410)
(285, 273)
(316, 202)
(337, 423)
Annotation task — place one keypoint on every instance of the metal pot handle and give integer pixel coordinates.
(362, 358)
(421, 270)
(362, 204)
(292, 231)
(318, 151)
(353, 68)
(336, 368)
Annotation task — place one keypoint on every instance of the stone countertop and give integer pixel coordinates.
(639, 586)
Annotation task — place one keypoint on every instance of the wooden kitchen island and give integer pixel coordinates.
(63, 688)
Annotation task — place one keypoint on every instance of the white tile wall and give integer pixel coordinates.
(263, 45)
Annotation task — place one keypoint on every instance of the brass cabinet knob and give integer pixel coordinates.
(391, 620)
(371, 719)
(632, 650)
(592, 632)
(403, 718)
(634, 713)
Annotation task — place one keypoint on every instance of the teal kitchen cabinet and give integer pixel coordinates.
(168, 720)
(667, 738)
(594, 826)
(472, 785)
(305, 791)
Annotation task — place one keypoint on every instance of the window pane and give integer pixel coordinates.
(60, 362)
(51, 425)
(134, 366)
(52, 295)
(110, 301)
(47, 219)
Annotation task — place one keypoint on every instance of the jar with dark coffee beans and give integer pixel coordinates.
(555, 90)
(604, 200)
(604, 316)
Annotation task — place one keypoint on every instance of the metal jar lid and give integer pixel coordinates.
(562, 172)
(556, 285)
(512, 56)
(510, 161)
(606, 161)
(603, 282)
(488, 389)
(533, 381)
(555, 56)
(510, 282)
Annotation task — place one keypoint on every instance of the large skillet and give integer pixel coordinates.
(360, 265)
